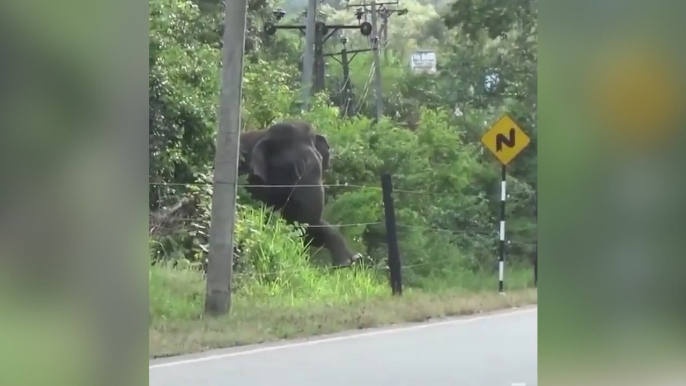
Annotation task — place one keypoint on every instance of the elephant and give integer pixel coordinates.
(291, 153)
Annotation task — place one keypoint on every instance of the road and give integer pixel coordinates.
(486, 350)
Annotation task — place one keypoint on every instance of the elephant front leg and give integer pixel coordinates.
(324, 235)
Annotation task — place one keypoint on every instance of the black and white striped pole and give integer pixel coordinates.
(501, 254)
(505, 139)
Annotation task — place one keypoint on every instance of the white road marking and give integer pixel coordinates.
(337, 338)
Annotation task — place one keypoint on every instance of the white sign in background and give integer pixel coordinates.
(423, 61)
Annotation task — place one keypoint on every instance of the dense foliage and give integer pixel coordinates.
(448, 193)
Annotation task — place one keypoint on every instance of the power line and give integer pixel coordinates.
(346, 89)
(365, 88)
(361, 266)
(418, 227)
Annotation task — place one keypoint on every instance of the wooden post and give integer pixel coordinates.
(391, 236)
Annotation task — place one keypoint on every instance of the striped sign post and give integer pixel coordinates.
(501, 246)
(505, 139)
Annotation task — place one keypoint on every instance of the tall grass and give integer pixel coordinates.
(274, 262)
(178, 293)
(273, 267)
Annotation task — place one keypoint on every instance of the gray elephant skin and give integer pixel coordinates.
(291, 153)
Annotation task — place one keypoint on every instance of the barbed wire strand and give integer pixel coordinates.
(183, 219)
(421, 227)
(262, 186)
(377, 267)
(407, 191)
(425, 228)
(293, 186)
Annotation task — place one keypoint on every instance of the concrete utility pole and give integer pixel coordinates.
(385, 14)
(319, 63)
(316, 34)
(347, 99)
(308, 56)
(347, 89)
(377, 64)
(220, 264)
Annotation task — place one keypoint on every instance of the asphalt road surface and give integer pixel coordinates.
(487, 350)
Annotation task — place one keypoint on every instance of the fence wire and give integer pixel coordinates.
(377, 267)
(343, 185)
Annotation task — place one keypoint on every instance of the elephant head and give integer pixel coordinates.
(284, 146)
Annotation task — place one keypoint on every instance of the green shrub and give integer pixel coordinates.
(274, 261)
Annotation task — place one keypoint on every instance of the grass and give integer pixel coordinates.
(310, 302)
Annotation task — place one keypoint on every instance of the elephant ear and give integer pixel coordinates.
(322, 146)
(258, 160)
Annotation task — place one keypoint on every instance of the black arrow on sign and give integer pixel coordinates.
(501, 139)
